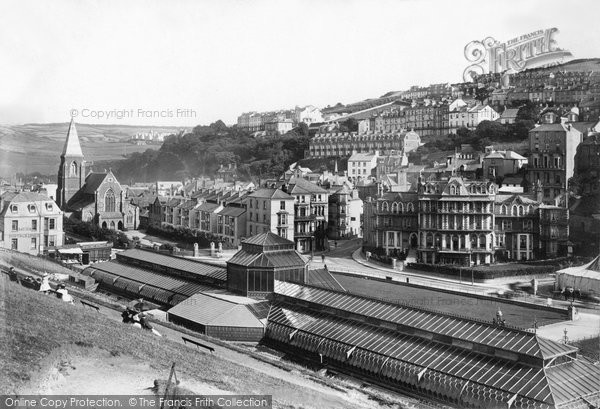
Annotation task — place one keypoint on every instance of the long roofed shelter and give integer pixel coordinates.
(163, 279)
(456, 360)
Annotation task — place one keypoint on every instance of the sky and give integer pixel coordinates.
(190, 62)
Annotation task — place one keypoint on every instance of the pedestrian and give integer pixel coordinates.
(45, 286)
(322, 258)
(335, 244)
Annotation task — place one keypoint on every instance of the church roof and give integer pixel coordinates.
(72, 146)
(93, 182)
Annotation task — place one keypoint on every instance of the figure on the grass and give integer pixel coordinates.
(45, 286)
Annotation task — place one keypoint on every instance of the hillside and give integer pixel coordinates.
(36, 147)
(100, 355)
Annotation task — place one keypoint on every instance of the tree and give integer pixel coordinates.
(492, 130)
(302, 129)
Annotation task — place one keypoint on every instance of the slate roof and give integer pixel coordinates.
(266, 193)
(300, 185)
(232, 211)
(211, 310)
(93, 182)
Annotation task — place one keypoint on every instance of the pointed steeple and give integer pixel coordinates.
(72, 146)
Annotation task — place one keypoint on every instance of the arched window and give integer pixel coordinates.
(401, 208)
(394, 207)
(504, 210)
(384, 207)
(73, 171)
(514, 210)
(520, 210)
(411, 208)
(109, 201)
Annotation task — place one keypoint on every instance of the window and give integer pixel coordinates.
(49, 207)
(14, 244)
(31, 208)
(15, 225)
(34, 225)
(265, 205)
(51, 241)
(282, 205)
(109, 201)
(52, 224)
(14, 208)
(73, 168)
(33, 243)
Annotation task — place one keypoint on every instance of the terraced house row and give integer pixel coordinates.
(297, 210)
(466, 222)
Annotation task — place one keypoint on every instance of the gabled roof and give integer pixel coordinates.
(72, 146)
(232, 211)
(300, 185)
(267, 193)
(93, 182)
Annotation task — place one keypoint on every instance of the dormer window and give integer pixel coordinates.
(49, 207)
(14, 208)
(31, 208)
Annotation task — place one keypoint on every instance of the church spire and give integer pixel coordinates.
(72, 146)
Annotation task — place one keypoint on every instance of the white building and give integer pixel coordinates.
(362, 164)
(309, 114)
(30, 222)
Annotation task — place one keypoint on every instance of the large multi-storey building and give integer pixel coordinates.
(344, 143)
(456, 221)
(465, 222)
(345, 210)
(552, 149)
(30, 222)
(270, 210)
(310, 213)
(392, 221)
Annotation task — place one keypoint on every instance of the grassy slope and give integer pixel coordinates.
(39, 325)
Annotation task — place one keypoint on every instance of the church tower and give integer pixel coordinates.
(71, 173)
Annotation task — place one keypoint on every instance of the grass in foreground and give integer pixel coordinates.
(38, 325)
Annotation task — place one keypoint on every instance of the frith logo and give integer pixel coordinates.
(526, 51)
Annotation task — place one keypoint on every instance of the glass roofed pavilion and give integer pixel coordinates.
(263, 259)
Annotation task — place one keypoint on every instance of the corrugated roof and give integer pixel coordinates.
(331, 335)
(322, 278)
(211, 311)
(504, 338)
(176, 263)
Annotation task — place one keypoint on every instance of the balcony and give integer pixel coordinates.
(305, 218)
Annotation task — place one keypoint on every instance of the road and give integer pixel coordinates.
(341, 259)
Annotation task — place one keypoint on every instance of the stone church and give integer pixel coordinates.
(96, 197)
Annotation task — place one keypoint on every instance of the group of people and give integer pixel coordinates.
(139, 320)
